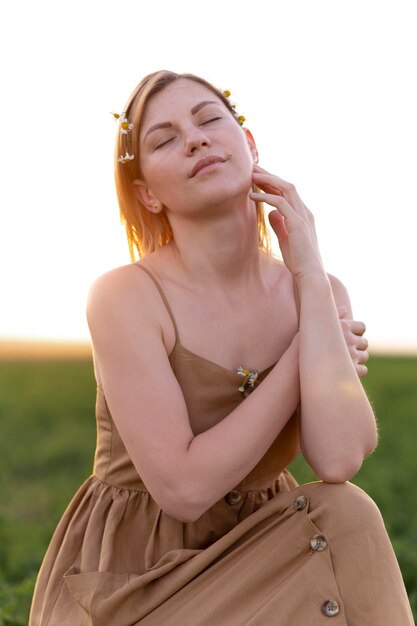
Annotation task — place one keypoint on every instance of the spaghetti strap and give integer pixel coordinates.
(163, 296)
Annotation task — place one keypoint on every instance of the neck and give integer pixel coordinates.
(222, 252)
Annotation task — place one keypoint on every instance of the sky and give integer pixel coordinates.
(327, 89)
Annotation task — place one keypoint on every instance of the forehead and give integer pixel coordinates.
(180, 95)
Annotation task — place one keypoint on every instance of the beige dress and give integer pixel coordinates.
(268, 552)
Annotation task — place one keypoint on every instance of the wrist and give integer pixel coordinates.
(315, 278)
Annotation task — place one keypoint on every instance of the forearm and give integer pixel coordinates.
(337, 426)
(219, 458)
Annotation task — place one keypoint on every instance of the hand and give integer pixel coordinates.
(357, 344)
(292, 222)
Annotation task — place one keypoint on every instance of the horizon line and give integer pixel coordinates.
(37, 348)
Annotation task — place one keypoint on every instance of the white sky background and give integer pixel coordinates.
(328, 89)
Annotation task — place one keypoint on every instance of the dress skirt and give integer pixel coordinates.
(312, 555)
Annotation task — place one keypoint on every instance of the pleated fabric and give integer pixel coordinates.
(269, 552)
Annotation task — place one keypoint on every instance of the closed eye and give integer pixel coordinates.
(212, 119)
(164, 143)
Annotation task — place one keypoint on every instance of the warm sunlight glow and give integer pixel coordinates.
(327, 90)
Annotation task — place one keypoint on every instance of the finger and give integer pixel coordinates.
(278, 202)
(361, 343)
(269, 189)
(277, 221)
(362, 356)
(357, 328)
(257, 169)
(361, 370)
(278, 225)
(263, 178)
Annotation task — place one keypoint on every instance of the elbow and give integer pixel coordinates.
(339, 472)
(184, 505)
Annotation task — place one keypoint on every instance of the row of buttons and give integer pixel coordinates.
(318, 543)
(234, 497)
(330, 608)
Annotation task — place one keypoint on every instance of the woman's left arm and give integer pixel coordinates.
(338, 428)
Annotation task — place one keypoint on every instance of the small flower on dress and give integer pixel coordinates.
(250, 375)
(127, 157)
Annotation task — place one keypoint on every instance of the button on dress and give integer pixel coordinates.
(268, 552)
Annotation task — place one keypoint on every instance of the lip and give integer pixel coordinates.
(208, 160)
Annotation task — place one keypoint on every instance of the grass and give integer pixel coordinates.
(47, 444)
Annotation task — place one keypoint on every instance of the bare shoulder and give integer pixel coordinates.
(340, 294)
(125, 281)
(128, 294)
(283, 278)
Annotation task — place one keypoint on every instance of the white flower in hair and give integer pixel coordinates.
(125, 158)
(125, 126)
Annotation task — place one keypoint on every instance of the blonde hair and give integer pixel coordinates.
(147, 231)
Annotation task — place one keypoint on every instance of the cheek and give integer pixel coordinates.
(244, 156)
(160, 176)
(165, 184)
(244, 162)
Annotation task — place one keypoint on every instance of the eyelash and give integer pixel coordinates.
(163, 144)
(213, 119)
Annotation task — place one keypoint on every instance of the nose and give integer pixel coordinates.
(194, 140)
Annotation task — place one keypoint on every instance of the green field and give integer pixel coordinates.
(47, 442)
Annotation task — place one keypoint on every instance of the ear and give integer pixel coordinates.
(252, 145)
(146, 197)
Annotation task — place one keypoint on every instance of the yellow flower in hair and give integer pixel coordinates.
(240, 118)
(117, 116)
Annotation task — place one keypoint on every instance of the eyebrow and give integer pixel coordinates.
(194, 110)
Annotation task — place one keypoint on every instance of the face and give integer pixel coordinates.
(193, 153)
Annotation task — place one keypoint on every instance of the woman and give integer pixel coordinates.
(215, 363)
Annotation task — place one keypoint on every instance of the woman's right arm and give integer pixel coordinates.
(185, 474)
